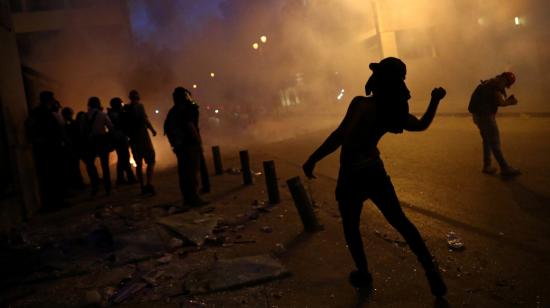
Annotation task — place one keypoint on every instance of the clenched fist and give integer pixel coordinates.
(438, 93)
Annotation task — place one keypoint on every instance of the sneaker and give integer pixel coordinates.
(437, 285)
(489, 170)
(360, 279)
(509, 171)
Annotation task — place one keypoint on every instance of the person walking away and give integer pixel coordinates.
(362, 174)
(124, 173)
(136, 125)
(181, 128)
(98, 126)
(488, 96)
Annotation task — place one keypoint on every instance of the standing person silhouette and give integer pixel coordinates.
(137, 127)
(362, 174)
(182, 129)
(488, 96)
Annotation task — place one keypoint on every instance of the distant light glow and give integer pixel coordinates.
(216, 111)
(157, 111)
(212, 75)
(194, 86)
(263, 38)
(517, 21)
(255, 46)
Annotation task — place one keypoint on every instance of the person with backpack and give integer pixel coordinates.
(182, 129)
(96, 136)
(124, 173)
(137, 125)
(484, 102)
(362, 174)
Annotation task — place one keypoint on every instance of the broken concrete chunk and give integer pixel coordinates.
(191, 225)
(235, 273)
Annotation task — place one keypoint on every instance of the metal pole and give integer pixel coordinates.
(245, 167)
(216, 155)
(271, 182)
(303, 205)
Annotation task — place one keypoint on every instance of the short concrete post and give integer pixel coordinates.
(271, 182)
(245, 167)
(217, 156)
(303, 204)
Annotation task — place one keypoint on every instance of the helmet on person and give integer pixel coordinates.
(134, 95)
(509, 78)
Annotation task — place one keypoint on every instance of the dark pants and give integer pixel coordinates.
(490, 135)
(189, 163)
(123, 169)
(98, 147)
(356, 186)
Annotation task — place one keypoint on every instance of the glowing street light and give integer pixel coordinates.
(517, 21)
(263, 38)
(212, 75)
(255, 46)
(194, 86)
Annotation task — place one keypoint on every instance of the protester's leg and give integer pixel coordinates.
(483, 131)
(350, 211)
(150, 161)
(180, 156)
(386, 200)
(495, 145)
(104, 158)
(125, 160)
(89, 161)
(120, 167)
(191, 169)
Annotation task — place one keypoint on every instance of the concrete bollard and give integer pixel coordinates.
(205, 177)
(245, 167)
(217, 156)
(303, 204)
(271, 182)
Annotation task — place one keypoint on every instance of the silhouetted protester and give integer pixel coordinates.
(45, 134)
(72, 132)
(487, 97)
(136, 124)
(362, 174)
(124, 173)
(96, 132)
(181, 128)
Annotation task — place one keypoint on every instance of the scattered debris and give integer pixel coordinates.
(454, 241)
(175, 243)
(130, 287)
(192, 303)
(235, 273)
(266, 229)
(233, 170)
(93, 297)
(191, 225)
(167, 258)
(138, 245)
(279, 249)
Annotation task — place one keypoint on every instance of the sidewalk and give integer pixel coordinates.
(114, 248)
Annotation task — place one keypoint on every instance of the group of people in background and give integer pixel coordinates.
(61, 141)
